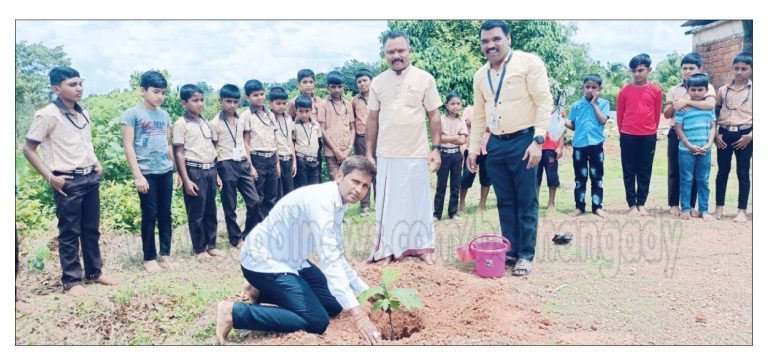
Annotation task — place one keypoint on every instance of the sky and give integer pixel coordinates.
(218, 52)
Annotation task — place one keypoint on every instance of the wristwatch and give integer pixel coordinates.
(539, 139)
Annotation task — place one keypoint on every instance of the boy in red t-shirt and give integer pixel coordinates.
(551, 151)
(638, 112)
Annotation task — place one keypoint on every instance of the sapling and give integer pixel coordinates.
(390, 299)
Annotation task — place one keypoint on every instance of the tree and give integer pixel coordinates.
(348, 72)
(450, 49)
(33, 62)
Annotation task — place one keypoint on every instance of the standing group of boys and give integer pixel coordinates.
(700, 117)
(262, 153)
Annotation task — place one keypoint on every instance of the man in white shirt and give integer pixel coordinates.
(274, 260)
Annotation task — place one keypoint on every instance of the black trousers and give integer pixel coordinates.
(304, 302)
(743, 158)
(78, 215)
(156, 209)
(306, 172)
(588, 163)
(201, 209)
(515, 187)
(236, 176)
(637, 153)
(360, 149)
(673, 171)
(286, 179)
(450, 166)
(266, 184)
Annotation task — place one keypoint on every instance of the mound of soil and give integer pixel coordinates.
(404, 324)
(459, 308)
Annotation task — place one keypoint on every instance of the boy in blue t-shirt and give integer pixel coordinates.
(696, 130)
(146, 141)
(587, 119)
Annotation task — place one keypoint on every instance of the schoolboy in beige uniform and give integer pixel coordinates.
(261, 144)
(336, 117)
(285, 134)
(69, 164)
(193, 143)
(308, 136)
(360, 106)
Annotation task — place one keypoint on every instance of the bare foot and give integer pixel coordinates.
(203, 256)
(427, 258)
(575, 213)
(462, 208)
(719, 212)
(707, 217)
(741, 217)
(106, 280)
(674, 210)
(76, 291)
(601, 213)
(223, 321)
(551, 210)
(695, 213)
(633, 211)
(642, 211)
(216, 253)
(152, 266)
(252, 292)
(240, 244)
(24, 308)
(480, 209)
(685, 215)
(167, 263)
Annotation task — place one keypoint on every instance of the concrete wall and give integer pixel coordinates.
(718, 43)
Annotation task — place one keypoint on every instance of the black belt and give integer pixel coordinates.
(306, 157)
(512, 135)
(263, 154)
(450, 150)
(736, 128)
(77, 171)
(201, 165)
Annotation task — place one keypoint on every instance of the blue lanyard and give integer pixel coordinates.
(501, 80)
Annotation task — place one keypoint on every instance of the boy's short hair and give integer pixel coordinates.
(452, 95)
(692, 58)
(186, 91)
(594, 77)
(492, 24)
(276, 94)
(363, 72)
(304, 73)
(334, 78)
(641, 59)
(358, 162)
(59, 74)
(252, 86)
(303, 102)
(229, 91)
(744, 57)
(393, 35)
(153, 79)
(698, 80)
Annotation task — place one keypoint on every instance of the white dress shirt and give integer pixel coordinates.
(306, 221)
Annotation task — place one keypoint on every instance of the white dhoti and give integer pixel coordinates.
(404, 224)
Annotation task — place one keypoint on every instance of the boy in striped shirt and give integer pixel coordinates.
(696, 131)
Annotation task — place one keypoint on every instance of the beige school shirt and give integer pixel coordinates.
(263, 129)
(195, 135)
(451, 127)
(307, 135)
(403, 102)
(291, 107)
(337, 120)
(680, 91)
(736, 107)
(285, 133)
(63, 146)
(230, 135)
(525, 100)
(360, 107)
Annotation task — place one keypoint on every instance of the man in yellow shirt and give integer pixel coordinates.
(512, 98)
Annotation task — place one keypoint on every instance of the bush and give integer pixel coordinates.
(121, 210)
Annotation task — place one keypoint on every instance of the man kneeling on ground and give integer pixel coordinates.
(274, 260)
